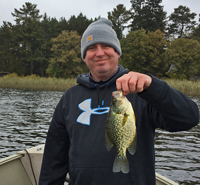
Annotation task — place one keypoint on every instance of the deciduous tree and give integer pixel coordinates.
(142, 52)
(157, 45)
(66, 60)
(184, 55)
(135, 51)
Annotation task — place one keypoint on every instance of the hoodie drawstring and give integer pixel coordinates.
(104, 93)
(97, 86)
(107, 84)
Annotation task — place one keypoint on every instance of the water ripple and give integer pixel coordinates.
(24, 121)
(24, 118)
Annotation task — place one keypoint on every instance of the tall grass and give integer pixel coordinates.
(185, 86)
(34, 82)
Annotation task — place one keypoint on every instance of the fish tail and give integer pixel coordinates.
(121, 164)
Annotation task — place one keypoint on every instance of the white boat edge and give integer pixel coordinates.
(23, 168)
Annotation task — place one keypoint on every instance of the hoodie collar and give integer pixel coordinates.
(101, 82)
(87, 80)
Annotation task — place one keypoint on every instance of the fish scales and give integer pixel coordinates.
(120, 130)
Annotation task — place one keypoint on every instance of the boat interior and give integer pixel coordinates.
(23, 168)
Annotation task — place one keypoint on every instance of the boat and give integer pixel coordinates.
(23, 168)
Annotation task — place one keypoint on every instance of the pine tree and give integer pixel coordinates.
(29, 35)
(79, 23)
(196, 33)
(119, 17)
(181, 22)
(28, 12)
(148, 15)
(5, 46)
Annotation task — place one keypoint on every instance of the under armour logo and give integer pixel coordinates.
(85, 106)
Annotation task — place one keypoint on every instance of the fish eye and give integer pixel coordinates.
(114, 101)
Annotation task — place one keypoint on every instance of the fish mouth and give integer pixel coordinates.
(116, 94)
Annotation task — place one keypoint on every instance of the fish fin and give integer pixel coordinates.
(134, 117)
(124, 119)
(121, 164)
(133, 146)
(109, 145)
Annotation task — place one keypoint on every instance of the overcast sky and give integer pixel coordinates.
(89, 8)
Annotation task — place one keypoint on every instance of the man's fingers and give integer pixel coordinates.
(140, 85)
(133, 82)
(123, 84)
(118, 84)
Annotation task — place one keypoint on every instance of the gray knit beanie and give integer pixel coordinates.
(98, 32)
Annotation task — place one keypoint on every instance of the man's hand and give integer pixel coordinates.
(133, 82)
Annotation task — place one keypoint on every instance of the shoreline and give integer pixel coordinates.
(34, 82)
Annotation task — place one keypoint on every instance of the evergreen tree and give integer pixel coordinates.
(79, 23)
(29, 35)
(50, 29)
(5, 46)
(25, 48)
(196, 33)
(148, 15)
(181, 22)
(119, 17)
(63, 24)
(29, 11)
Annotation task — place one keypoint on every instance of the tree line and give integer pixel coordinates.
(151, 42)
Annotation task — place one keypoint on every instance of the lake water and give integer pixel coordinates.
(24, 121)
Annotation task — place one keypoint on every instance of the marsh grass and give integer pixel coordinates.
(190, 88)
(34, 82)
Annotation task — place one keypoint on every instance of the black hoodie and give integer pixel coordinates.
(76, 138)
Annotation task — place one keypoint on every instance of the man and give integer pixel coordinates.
(76, 138)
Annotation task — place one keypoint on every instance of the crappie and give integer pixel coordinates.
(120, 130)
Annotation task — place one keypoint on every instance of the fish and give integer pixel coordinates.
(120, 131)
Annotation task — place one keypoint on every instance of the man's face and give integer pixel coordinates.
(102, 60)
